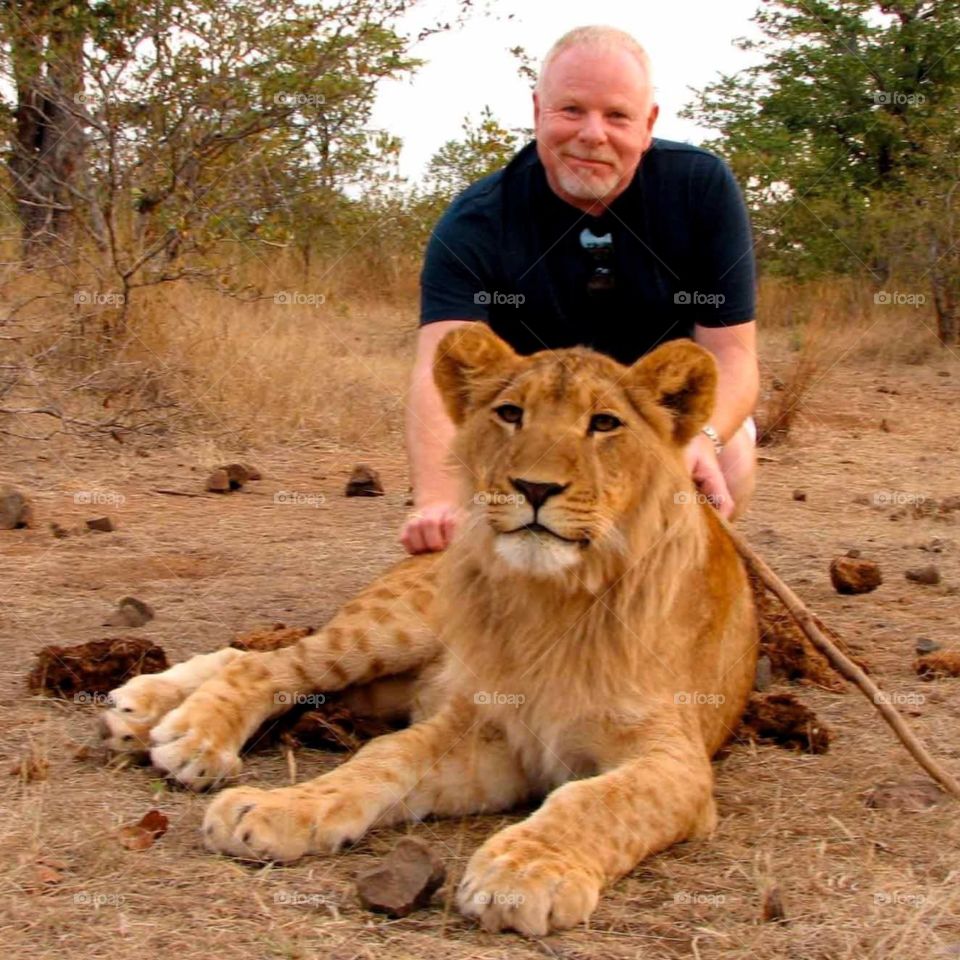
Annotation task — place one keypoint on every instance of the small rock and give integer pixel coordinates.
(405, 879)
(58, 531)
(949, 504)
(943, 373)
(800, 495)
(852, 575)
(885, 425)
(773, 910)
(890, 390)
(130, 612)
(777, 384)
(934, 546)
(237, 474)
(862, 499)
(15, 510)
(364, 482)
(101, 525)
(909, 796)
(764, 674)
(219, 481)
(928, 575)
(853, 553)
(926, 645)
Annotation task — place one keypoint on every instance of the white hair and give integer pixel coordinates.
(599, 38)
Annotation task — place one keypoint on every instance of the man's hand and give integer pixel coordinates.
(430, 528)
(701, 460)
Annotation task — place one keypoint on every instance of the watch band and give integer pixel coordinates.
(711, 432)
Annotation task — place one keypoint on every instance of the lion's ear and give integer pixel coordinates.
(469, 368)
(681, 377)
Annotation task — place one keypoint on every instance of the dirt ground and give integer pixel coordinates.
(855, 882)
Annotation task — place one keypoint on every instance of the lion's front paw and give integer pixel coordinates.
(135, 708)
(196, 745)
(519, 883)
(282, 824)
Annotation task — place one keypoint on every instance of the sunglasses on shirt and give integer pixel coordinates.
(600, 250)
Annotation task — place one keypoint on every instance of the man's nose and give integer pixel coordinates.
(592, 128)
(537, 494)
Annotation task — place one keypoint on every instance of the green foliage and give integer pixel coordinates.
(837, 126)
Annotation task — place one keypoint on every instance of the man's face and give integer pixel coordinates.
(593, 118)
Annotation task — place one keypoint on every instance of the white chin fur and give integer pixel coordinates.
(537, 555)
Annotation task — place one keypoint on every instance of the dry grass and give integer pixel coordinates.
(301, 391)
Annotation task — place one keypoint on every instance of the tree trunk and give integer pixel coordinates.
(46, 159)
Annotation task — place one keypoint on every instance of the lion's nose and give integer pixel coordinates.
(537, 493)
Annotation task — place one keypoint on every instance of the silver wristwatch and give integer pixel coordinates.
(711, 432)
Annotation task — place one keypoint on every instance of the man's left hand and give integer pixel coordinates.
(700, 457)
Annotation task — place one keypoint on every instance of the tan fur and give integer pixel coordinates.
(601, 670)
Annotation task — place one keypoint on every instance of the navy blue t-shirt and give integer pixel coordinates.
(673, 250)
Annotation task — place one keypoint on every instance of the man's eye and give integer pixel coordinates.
(604, 423)
(509, 413)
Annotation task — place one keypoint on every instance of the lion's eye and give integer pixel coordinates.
(604, 423)
(509, 413)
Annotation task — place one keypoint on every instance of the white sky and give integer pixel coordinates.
(689, 41)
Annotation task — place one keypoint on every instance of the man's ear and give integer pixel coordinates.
(680, 377)
(470, 368)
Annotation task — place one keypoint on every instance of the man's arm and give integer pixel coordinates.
(429, 434)
(735, 350)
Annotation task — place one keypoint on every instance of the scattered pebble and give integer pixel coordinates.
(130, 612)
(853, 575)
(364, 482)
(928, 575)
(405, 879)
(908, 796)
(15, 510)
(101, 525)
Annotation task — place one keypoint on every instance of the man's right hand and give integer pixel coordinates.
(430, 528)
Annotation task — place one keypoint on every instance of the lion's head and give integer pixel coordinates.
(573, 460)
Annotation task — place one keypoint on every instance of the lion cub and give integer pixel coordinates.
(589, 637)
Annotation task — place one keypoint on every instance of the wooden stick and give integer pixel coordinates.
(842, 663)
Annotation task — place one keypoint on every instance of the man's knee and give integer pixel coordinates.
(738, 461)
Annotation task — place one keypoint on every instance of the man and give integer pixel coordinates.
(578, 242)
